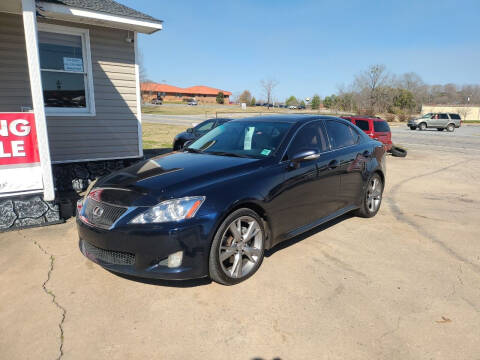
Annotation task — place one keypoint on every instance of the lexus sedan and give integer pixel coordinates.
(215, 207)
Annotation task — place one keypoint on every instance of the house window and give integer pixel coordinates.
(66, 70)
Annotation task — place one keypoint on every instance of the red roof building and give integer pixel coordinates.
(170, 93)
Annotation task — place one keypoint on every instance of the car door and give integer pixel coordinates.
(350, 156)
(443, 120)
(308, 190)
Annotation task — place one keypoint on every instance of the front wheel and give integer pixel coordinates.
(237, 248)
(450, 127)
(413, 128)
(372, 197)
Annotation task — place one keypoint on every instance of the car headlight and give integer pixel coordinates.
(170, 210)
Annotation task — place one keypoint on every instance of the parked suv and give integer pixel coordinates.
(376, 128)
(441, 121)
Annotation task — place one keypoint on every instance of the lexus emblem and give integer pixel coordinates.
(98, 211)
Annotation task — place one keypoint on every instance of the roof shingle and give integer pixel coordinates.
(106, 6)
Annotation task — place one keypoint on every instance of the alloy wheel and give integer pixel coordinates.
(374, 194)
(241, 247)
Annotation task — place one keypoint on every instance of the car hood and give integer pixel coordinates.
(177, 174)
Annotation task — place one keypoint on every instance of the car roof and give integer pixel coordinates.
(374, 118)
(299, 118)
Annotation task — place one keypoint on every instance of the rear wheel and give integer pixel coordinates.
(237, 248)
(422, 126)
(450, 127)
(372, 197)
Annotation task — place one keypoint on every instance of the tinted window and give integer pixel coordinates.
(363, 124)
(311, 136)
(443, 116)
(455, 117)
(381, 126)
(341, 135)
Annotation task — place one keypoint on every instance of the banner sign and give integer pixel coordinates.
(20, 169)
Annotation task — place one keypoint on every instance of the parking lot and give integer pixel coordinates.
(403, 285)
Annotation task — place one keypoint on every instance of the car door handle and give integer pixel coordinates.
(333, 164)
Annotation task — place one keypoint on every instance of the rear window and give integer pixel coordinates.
(363, 124)
(381, 126)
(455, 117)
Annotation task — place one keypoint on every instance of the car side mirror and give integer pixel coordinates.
(303, 156)
(190, 130)
(187, 144)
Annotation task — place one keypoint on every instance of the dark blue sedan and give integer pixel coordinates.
(194, 133)
(215, 207)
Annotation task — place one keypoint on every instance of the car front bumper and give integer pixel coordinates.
(142, 251)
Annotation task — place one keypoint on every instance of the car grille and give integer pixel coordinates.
(109, 213)
(108, 256)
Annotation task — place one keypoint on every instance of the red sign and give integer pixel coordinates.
(18, 139)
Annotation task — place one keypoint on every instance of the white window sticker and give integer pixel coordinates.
(247, 144)
(72, 64)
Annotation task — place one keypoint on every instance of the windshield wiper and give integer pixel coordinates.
(192, 150)
(225, 153)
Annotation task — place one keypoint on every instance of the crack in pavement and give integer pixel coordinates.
(52, 295)
(401, 216)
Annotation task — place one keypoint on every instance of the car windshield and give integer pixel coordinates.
(258, 139)
(427, 116)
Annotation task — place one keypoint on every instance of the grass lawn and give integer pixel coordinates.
(160, 136)
(211, 110)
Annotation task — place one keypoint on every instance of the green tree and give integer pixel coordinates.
(404, 99)
(245, 97)
(328, 102)
(302, 103)
(291, 101)
(253, 102)
(220, 97)
(315, 102)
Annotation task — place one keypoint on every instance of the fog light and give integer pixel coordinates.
(175, 259)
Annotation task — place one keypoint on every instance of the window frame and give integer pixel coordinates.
(84, 34)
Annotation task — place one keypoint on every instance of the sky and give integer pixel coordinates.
(308, 46)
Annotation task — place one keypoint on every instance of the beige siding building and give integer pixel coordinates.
(466, 112)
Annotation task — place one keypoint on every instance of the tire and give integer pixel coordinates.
(367, 208)
(450, 128)
(413, 128)
(422, 126)
(398, 151)
(230, 262)
(440, 129)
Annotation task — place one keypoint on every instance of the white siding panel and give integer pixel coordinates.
(14, 80)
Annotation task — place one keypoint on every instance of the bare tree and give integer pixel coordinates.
(372, 84)
(268, 85)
